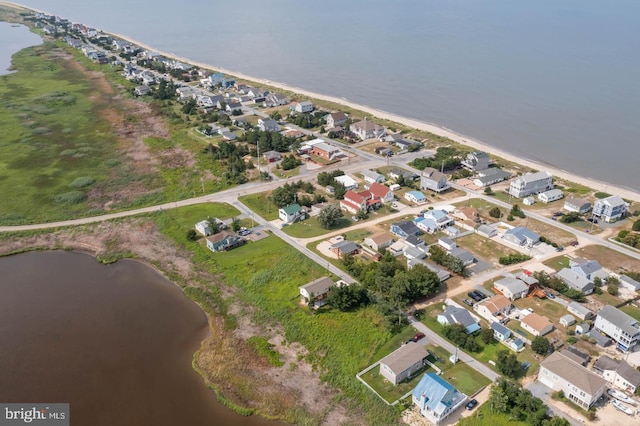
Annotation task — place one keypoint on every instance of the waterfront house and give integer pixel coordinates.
(372, 177)
(521, 236)
(404, 229)
(366, 129)
(610, 209)
(579, 385)
(512, 288)
(224, 241)
(433, 180)
(476, 161)
(577, 205)
(456, 315)
(316, 289)
(580, 311)
(291, 213)
(402, 363)
(379, 241)
(490, 176)
(268, 125)
(619, 326)
(619, 373)
(436, 398)
(336, 119)
(531, 183)
(302, 107)
(415, 197)
(576, 281)
(276, 99)
(551, 195)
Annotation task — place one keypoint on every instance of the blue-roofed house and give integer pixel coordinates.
(440, 217)
(500, 332)
(455, 315)
(427, 225)
(436, 398)
(521, 236)
(516, 345)
(404, 229)
(415, 197)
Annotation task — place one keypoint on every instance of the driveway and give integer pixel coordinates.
(544, 393)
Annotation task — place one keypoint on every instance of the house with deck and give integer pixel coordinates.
(433, 180)
(291, 213)
(382, 192)
(316, 289)
(493, 308)
(619, 326)
(618, 372)
(610, 209)
(476, 161)
(490, 177)
(224, 241)
(579, 385)
(367, 129)
(455, 315)
(577, 205)
(511, 287)
(551, 195)
(530, 184)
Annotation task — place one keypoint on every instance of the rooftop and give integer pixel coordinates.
(615, 316)
(573, 373)
(405, 357)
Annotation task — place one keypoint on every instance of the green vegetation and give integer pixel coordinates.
(265, 350)
(465, 379)
(446, 158)
(267, 275)
(540, 345)
(441, 257)
(601, 195)
(329, 217)
(261, 204)
(485, 416)
(570, 217)
(558, 285)
(513, 258)
(388, 390)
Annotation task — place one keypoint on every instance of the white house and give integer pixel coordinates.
(580, 311)
(291, 213)
(619, 373)
(436, 398)
(455, 315)
(366, 129)
(629, 283)
(348, 182)
(577, 205)
(521, 236)
(336, 119)
(476, 161)
(500, 332)
(372, 177)
(512, 288)
(579, 385)
(379, 241)
(551, 195)
(610, 209)
(576, 281)
(531, 183)
(433, 180)
(446, 243)
(415, 197)
(318, 289)
(268, 125)
(204, 228)
(536, 324)
(567, 320)
(403, 362)
(490, 176)
(302, 107)
(619, 326)
(493, 308)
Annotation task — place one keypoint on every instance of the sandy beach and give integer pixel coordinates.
(416, 124)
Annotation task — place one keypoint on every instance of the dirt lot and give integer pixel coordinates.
(611, 260)
(224, 358)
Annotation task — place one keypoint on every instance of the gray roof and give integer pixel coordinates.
(615, 316)
(613, 201)
(462, 254)
(574, 280)
(582, 310)
(532, 177)
(319, 286)
(490, 175)
(345, 246)
(486, 229)
(512, 284)
(601, 339)
(589, 267)
(523, 233)
(576, 355)
(433, 174)
(568, 318)
(447, 241)
(372, 175)
(414, 253)
(621, 367)
(441, 273)
(496, 326)
(403, 358)
(573, 373)
(577, 202)
(409, 227)
(630, 282)
(456, 315)
(552, 193)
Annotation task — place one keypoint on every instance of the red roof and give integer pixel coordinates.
(378, 190)
(355, 197)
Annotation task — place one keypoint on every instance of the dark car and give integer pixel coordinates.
(550, 295)
(559, 248)
(480, 294)
(574, 243)
(471, 404)
(474, 296)
(556, 214)
(418, 336)
(592, 220)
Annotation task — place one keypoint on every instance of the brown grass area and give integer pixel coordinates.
(611, 260)
(225, 360)
(552, 233)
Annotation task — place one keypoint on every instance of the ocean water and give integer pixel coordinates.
(13, 39)
(556, 82)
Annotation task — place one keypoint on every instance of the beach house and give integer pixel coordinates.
(433, 180)
(476, 161)
(610, 209)
(531, 183)
(619, 326)
(436, 398)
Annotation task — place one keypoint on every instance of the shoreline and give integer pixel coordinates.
(556, 171)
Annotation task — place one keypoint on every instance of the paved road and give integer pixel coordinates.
(462, 356)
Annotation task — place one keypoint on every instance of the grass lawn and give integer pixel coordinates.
(261, 204)
(632, 311)
(484, 247)
(388, 390)
(544, 307)
(267, 274)
(558, 262)
(484, 416)
(311, 228)
(283, 174)
(552, 233)
(465, 379)
(606, 298)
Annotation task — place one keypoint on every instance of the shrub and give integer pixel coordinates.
(71, 198)
(82, 182)
(513, 258)
(571, 340)
(495, 212)
(636, 225)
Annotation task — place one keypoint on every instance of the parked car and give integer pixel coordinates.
(592, 220)
(556, 214)
(574, 243)
(355, 218)
(418, 336)
(480, 294)
(474, 296)
(559, 248)
(550, 295)
(471, 404)
(467, 302)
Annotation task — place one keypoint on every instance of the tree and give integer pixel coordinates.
(507, 363)
(636, 225)
(235, 224)
(570, 217)
(495, 212)
(597, 281)
(540, 345)
(339, 190)
(329, 216)
(213, 224)
(612, 285)
(488, 190)
(362, 214)
(347, 297)
(486, 335)
(498, 400)
(192, 235)
(517, 211)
